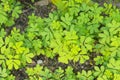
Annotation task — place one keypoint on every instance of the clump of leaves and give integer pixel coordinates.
(5, 74)
(84, 75)
(13, 54)
(9, 11)
(73, 32)
(38, 72)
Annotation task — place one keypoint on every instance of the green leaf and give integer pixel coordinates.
(116, 76)
(115, 41)
(55, 25)
(63, 59)
(46, 74)
(83, 58)
(3, 16)
(13, 62)
(69, 73)
(105, 37)
(114, 65)
(98, 60)
(61, 5)
(18, 47)
(3, 73)
(16, 64)
(10, 64)
(99, 71)
(67, 19)
(58, 74)
(10, 22)
(2, 33)
(37, 44)
(85, 75)
(1, 41)
(28, 57)
(16, 11)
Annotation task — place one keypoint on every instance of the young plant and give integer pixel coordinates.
(13, 53)
(84, 75)
(5, 74)
(9, 11)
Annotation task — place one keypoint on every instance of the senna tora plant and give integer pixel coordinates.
(77, 31)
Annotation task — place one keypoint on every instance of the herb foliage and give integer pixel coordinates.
(73, 32)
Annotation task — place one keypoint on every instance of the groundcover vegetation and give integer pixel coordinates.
(78, 40)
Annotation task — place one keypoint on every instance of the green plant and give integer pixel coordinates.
(5, 74)
(40, 73)
(13, 53)
(34, 73)
(84, 75)
(9, 11)
(113, 65)
(58, 74)
(77, 31)
(69, 74)
(61, 5)
(56, 38)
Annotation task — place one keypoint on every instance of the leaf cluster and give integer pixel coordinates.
(74, 32)
(9, 12)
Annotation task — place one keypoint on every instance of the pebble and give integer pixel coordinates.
(39, 61)
(42, 3)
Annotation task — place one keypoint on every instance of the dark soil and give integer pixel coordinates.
(53, 64)
(20, 74)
